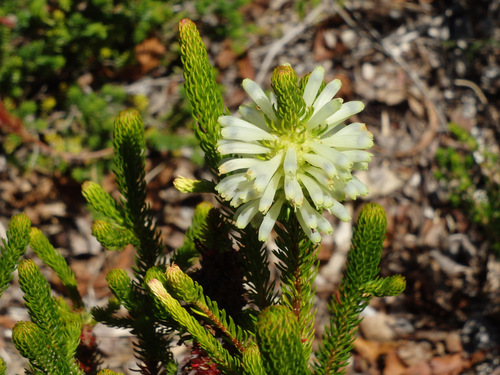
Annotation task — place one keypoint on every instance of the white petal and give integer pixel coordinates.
(349, 141)
(337, 193)
(344, 175)
(340, 211)
(259, 97)
(246, 134)
(263, 172)
(237, 163)
(269, 220)
(313, 85)
(293, 191)
(245, 213)
(354, 128)
(290, 163)
(324, 113)
(237, 189)
(320, 176)
(340, 160)
(230, 182)
(232, 121)
(322, 163)
(348, 109)
(328, 200)
(254, 116)
(309, 215)
(355, 187)
(324, 225)
(314, 190)
(358, 156)
(243, 194)
(327, 94)
(235, 147)
(313, 235)
(268, 196)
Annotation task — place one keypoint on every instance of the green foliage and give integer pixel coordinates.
(472, 175)
(51, 334)
(34, 344)
(361, 271)
(209, 343)
(71, 37)
(249, 327)
(282, 349)
(202, 91)
(72, 57)
(12, 249)
(299, 267)
(137, 224)
(46, 252)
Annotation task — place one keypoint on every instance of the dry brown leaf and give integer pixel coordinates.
(148, 53)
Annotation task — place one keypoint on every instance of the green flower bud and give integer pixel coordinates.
(186, 185)
(180, 285)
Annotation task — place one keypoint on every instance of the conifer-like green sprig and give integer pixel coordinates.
(129, 145)
(209, 343)
(46, 252)
(136, 226)
(41, 305)
(358, 285)
(183, 287)
(11, 249)
(112, 236)
(3, 366)
(59, 335)
(111, 231)
(103, 202)
(202, 90)
(279, 340)
(45, 358)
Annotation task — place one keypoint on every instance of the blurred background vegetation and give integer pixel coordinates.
(65, 66)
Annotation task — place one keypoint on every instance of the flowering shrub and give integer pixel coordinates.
(294, 158)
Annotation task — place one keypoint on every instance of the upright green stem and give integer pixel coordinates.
(299, 268)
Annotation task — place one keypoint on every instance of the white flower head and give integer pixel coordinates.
(293, 149)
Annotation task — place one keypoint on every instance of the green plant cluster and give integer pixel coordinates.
(214, 293)
(472, 176)
(48, 48)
